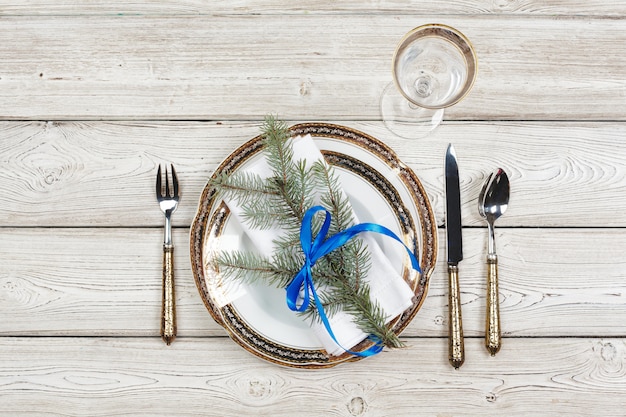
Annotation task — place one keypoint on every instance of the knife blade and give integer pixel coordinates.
(456, 351)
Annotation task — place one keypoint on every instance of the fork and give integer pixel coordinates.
(168, 202)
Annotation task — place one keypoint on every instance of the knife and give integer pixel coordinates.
(456, 352)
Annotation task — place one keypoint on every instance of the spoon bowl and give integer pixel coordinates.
(494, 197)
(492, 203)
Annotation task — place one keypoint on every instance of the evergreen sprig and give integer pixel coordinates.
(281, 201)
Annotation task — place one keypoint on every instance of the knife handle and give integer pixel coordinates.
(493, 339)
(168, 305)
(456, 347)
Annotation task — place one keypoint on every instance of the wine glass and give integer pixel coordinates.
(434, 67)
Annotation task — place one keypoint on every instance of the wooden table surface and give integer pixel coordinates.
(94, 95)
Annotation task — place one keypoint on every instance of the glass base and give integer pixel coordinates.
(404, 118)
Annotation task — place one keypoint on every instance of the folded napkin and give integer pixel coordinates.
(387, 286)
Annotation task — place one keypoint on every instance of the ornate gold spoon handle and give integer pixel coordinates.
(493, 338)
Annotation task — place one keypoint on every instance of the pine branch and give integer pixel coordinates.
(281, 201)
(241, 185)
(291, 183)
(333, 198)
(250, 267)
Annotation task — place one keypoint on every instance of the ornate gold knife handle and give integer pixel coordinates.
(493, 339)
(456, 347)
(168, 305)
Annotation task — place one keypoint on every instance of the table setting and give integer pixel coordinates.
(341, 147)
(347, 209)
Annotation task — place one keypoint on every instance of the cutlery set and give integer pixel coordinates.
(493, 201)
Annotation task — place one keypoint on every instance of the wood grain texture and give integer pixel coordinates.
(415, 7)
(94, 95)
(142, 377)
(106, 282)
(94, 282)
(305, 67)
(65, 173)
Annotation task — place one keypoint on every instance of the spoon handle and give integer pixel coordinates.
(492, 331)
(456, 346)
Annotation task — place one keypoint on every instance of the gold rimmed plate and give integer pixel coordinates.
(381, 189)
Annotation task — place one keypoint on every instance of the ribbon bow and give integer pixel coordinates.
(313, 250)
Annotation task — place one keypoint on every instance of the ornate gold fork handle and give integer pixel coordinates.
(456, 347)
(493, 339)
(168, 310)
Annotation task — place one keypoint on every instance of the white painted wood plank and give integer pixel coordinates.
(423, 7)
(304, 66)
(210, 377)
(71, 266)
(64, 173)
(81, 282)
(94, 282)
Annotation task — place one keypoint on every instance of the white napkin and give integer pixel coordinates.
(387, 286)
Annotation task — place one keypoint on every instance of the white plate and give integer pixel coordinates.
(381, 189)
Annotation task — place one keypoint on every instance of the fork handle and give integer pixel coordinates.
(168, 305)
(493, 339)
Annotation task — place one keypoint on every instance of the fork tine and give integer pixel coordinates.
(158, 183)
(167, 184)
(174, 181)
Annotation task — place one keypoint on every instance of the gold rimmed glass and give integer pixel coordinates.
(434, 67)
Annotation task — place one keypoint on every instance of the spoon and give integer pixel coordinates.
(492, 203)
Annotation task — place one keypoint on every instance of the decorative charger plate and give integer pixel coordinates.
(381, 189)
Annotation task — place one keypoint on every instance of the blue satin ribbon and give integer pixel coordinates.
(316, 248)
